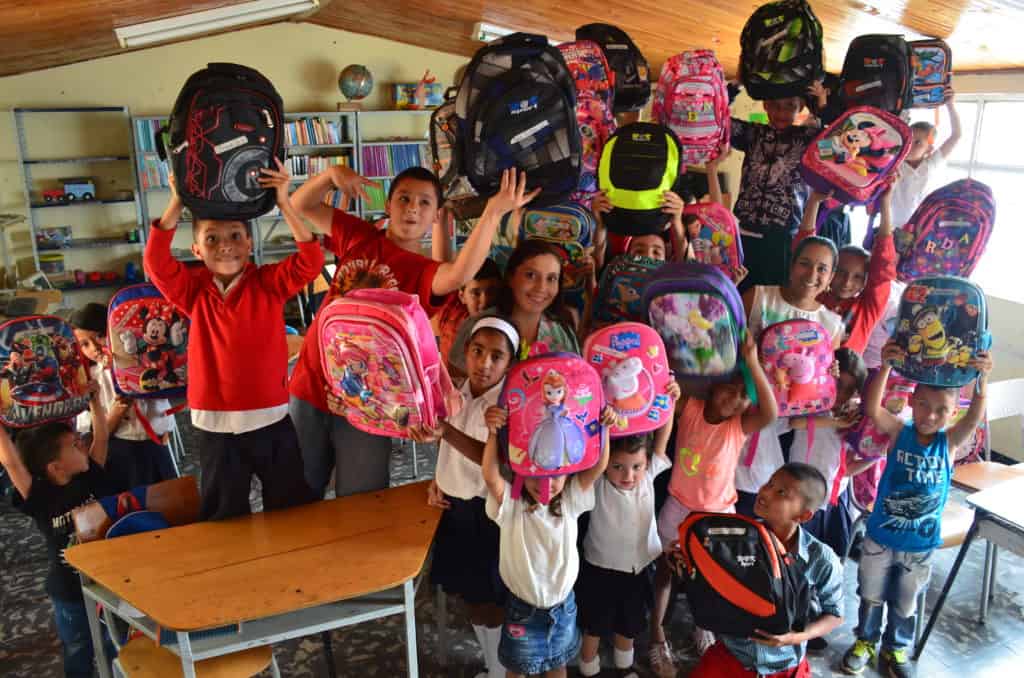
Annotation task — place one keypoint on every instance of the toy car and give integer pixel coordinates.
(79, 188)
(54, 195)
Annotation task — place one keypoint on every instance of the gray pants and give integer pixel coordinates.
(359, 459)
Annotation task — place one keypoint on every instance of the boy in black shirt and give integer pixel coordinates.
(54, 472)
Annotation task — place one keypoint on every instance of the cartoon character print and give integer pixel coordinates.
(557, 441)
(703, 342)
(929, 343)
(163, 331)
(627, 389)
(795, 376)
(864, 147)
(711, 246)
(72, 372)
(369, 381)
(911, 511)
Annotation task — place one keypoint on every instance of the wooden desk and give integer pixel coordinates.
(284, 571)
(982, 475)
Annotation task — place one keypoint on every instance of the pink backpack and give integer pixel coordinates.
(554, 406)
(718, 239)
(855, 155)
(594, 82)
(381, 361)
(691, 99)
(635, 375)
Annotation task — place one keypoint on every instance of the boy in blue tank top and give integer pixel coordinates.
(904, 527)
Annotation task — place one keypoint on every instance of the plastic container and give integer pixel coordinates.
(52, 264)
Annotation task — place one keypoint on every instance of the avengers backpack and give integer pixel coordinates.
(781, 52)
(638, 164)
(148, 344)
(554, 403)
(635, 376)
(718, 236)
(42, 374)
(620, 290)
(226, 125)
(698, 313)
(380, 360)
(932, 63)
(942, 324)
(877, 72)
(631, 76)
(855, 156)
(692, 101)
(594, 102)
(947, 233)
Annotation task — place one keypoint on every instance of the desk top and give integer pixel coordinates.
(216, 573)
(1002, 501)
(982, 475)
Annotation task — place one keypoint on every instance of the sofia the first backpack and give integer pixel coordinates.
(692, 101)
(594, 100)
(718, 236)
(635, 375)
(381, 362)
(554, 403)
(148, 344)
(620, 290)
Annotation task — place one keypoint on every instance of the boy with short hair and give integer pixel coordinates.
(904, 527)
(53, 473)
(789, 499)
(476, 295)
(237, 355)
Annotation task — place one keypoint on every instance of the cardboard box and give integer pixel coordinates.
(404, 94)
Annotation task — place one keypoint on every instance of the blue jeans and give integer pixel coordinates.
(73, 631)
(535, 640)
(894, 579)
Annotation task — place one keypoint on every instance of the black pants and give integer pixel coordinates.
(766, 255)
(131, 463)
(227, 462)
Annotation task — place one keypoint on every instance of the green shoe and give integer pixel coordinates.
(858, 657)
(897, 664)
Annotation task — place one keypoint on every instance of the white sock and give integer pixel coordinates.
(591, 668)
(623, 658)
(493, 637)
(481, 637)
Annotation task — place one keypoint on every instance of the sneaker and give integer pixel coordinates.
(897, 664)
(818, 644)
(627, 673)
(702, 640)
(663, 664)
(858, 657)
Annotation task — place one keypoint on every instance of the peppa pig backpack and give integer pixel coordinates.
(634, 371)
(148, 344)
(855, 155)
(718, 238)
(554, 403)
(947, 233)
(699, 314)
(692, 101)
(594, 100)
(380, 360)
(42, 374)
(620, 290)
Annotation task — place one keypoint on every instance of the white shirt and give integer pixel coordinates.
(769, 308)
(456, 475)
(824, 456)
(130, 427)
(885, 327)
(767, 459)
(617, 538)
(537, 555)
(912, 186)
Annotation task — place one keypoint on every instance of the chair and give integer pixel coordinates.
(956, 521)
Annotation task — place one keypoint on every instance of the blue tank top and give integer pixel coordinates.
(912, 494)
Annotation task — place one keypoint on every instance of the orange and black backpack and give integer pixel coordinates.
(738, 576)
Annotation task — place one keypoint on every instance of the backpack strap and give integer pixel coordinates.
(810, 438)
(755, 437)
(517, 486)
(127, 503)
(840, 474)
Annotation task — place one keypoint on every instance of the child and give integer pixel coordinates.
(614, 586)
(709, 440)
(538, 559)
(386, 259)
(904, 528)
(787, 500)
(466, 545)
(479, 293)
(134, 457)
(922, 163)
(859, 291)
(653, 245)
(237, 356)
(53, 472)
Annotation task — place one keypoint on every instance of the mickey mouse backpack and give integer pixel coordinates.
(718, 237)
(380, 360)
(620, 290)
(595, 95)
(148, 344)
(781, 50)
(947, 233)
(42, 374)
(554, 403)
(942, 323)
(692, 101)
(932, 63)
(226, 125)
(634, 371)
(855, 155)
(699, 314)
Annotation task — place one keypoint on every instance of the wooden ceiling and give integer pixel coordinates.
(984, 34)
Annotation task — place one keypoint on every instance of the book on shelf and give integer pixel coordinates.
(312, 131)
(378, 196)
(334, 199)
(306, 165)
(146, 131)
(389, 160)
(153, 171)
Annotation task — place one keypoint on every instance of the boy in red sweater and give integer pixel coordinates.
(860, 288)
(237, 355)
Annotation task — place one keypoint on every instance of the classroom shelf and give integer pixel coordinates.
(91, 243)
(394, 142)
(80, 203)
(61, 161)
(72, 287)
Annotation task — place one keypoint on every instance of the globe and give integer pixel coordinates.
(355, 82)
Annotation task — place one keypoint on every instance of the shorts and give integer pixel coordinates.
(466, 554)
(671, 516)
(611, 601)
(535, 640)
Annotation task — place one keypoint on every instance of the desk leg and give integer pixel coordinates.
(96, 631)
(971, 533)
(986, 581)
(188, 665)
(410, 629)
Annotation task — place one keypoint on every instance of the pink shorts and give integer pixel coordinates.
(671, 516)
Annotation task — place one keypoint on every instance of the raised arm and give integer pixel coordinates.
(954, 125)
(809, 223)
(767, 410)
(100, 433)
(662, 435)
(960, 432)
(16, 469)
(600, 205)
(496, 417)
(169, 275)
(714, 185)
(442, 236)
(586, 479)
(288, 277)
(886, 421)
(309, 198)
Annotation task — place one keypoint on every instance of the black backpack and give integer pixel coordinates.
(781, 53)
(516, 107)
(739, 577)
(878, 71)
(227, 124)
(632, 82)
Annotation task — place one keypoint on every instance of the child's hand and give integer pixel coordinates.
(748, 349)
(278, 180)
(817, 90)
(848, 420)
(350, 182)
(892, 352)
(833, 369)
(436, 498)
(738, 273)
(783, 640)
(512, 194)
(600, 204)
(587, 270)
(93, 389)
(982, 361)
(885, 199)
(425, 434)
(120, 406)
(495, 417)
(334, 404)
(723, 152)
(948, 95)
(674, 558)
(673, 391)
(672, 204)
(608, 416)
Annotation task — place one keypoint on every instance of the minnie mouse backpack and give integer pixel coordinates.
(855, 155)
(594, 100)
(148, 344)
(634, 371)
(42, 374)
(718, 236)
(692, 101)
(620, 290)
(554, 403)
(380, 360)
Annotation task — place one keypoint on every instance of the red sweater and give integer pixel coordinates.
(237, 354)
